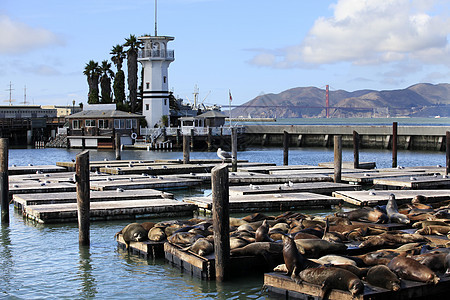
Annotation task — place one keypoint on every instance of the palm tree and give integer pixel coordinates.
(119, 80)
(133, 45)
(92, 71)
(105, 81)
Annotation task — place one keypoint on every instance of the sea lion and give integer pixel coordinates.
(392, 212)
(335, 260)
(201, 246)
(148, 225)
(419, 199)
(333, 278)
(156, 234)
(272, 253)
(360, 272)
(281, 226)
(442, 214)
(364, 214)
(379, 257)
(255, 217)
(306, 223)
(236, 222)
(390, 240)
(237, 242)
(383, 277)
(338, 220)
(335, 237)
(293, 258)
(262, 233)
(434, 229)
(410, 269)
(304, 235)
(436, 261)
(133, 232)
(425, 223)
(315, 248)
(184, 238)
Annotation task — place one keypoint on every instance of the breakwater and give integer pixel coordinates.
(371, 137)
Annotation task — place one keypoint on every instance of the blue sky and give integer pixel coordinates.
(249, 47)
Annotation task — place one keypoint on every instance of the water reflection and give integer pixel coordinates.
(6, 261)
(89, 286)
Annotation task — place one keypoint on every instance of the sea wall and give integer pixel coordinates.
(376, 137)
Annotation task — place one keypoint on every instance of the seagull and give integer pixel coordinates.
(223, 154)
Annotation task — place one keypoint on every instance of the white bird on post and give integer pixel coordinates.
(223, 155)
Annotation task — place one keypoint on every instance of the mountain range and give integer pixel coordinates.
(419, 100)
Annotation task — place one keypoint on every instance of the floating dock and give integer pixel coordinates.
(323, 188)
(269, 202)
(380, 197)
(281, 284)
(415, 182)
(146, 249)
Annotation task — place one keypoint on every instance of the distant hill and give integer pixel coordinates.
(419, 100)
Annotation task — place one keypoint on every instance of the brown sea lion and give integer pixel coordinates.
(379, 257)
(434, 230)
(335, 237)
(306, 223)
(304, 235)
(333, 278)
(157, 234)
(293, 258)
(315, 248)
(272, 253)
(331, 259)
(364, 214)
(425, 223)
(236, 222)
(360, 272)
(410, 269)
(338, 220)
(383, 277)
(201, 246)
(133, 232)
(184, 238)
(436, 261)
(237, 242)
(392, 212)
(262, 233)
(255, 217)
(390, 239)
(419, 199)
(148, 225)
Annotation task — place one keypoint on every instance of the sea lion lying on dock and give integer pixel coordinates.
(316, 248)
(271, 252)
(364, 214)
(383, 277)
(133, 232)
(333, 278)
(202, 246)
(410, 269)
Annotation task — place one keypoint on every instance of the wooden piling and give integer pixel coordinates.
(285, 148)
(447, 152)
(186, 149)
(337, 158)
(178, 138)
(221, 221)
(233, 150)
(394, 144)
(4, 187)
(355, 150)
(83, 197)
(209, 139)
(83, 140)
(117, 145)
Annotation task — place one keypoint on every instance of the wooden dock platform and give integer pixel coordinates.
(323, 188)
(17, 170)
(368, 178)
(380, 197)
(21, 200)
(281, 284)
(145, 183)
(28, 187)
(269, 202)
(415, 182)
(146, 249)
(109, 210)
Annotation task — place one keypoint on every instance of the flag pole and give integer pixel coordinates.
(229, 102)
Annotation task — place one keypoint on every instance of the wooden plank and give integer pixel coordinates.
(415, 182)
(270, 202)
(96, 196)
(323, 171)
(367, 178)
(158, 170)
(428, 169)
(109, 210)
(28, 187)
(266, 170)
(147, 183)
(324, 188)
(380, 197)
(30, 169)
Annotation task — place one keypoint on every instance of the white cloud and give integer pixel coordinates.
(19, 37)
(368, 32)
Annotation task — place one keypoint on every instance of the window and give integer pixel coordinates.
(147, 106)
(134, 123)
(165, 101)
(147, 85)
(165, 79)
(117, 124)
(76, 124)
(90, 123)
(129, 123)
(103, 124)
(122, 123)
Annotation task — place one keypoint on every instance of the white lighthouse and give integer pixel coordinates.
(155, 59)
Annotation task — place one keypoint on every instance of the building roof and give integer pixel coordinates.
(98, 114)
(212, 114)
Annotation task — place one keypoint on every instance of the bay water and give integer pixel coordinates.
(40, 261)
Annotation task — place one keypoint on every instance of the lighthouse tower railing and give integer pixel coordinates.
(152, 53)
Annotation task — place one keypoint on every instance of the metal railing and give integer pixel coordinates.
(151, 53)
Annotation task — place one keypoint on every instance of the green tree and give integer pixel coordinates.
(133, 45)
(105, 81)
(118, 55)
(92, 72)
